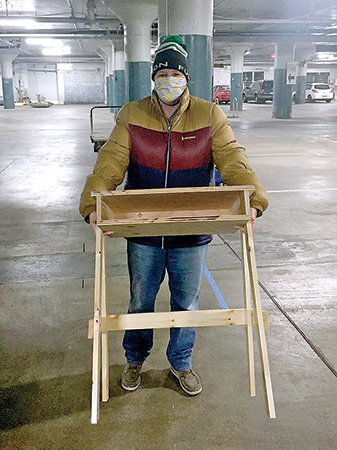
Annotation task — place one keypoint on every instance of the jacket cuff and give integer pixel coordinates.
(259, 209)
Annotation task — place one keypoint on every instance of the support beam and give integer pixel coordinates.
(106, 52)
(282, 97)
(193, 20)
(7, 55)
(137, 18)
(237, 52)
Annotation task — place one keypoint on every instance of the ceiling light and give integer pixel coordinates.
(21, 7)
(45, 42)
(17, 22)
(56, 51)
(325, 55)
(64, 66)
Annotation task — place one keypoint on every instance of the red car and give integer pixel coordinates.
(221, 93)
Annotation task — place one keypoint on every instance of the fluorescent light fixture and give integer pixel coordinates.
(50, 46)
(326, 56)
(17, 22)
(22, 6)
(45, 42)
(64, 66)
(57, 51)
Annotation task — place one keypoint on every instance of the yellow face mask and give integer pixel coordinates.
(169, 89)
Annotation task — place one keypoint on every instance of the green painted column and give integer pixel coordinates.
(7, 55)
(236, 91)
(138, 79)
(107, 54)
(8, 93)
(199, 48)
(137, 17)
(304, 51)
(282, 97)
(119, 88)
(236, 52)
(301, 82)
(119, 97)
(110, 89)
(193, 20)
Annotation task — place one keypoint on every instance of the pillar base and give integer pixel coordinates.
(8, 93)
(236, 91)
(282, 102)
(300, 90)
(199, 49)
(119, 89)
(140, 71)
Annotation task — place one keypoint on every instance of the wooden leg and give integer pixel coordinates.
(96, 339)
(248, 307)
(259, 318)
(105, 350)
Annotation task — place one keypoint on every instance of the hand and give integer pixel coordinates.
(253, 214)
(93, 221)
(93, 224)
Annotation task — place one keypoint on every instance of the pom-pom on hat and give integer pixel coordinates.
(171, 54)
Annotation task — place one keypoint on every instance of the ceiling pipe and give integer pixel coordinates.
(80, 33)
(91, 12)
(92, 16)
(271, 21)
(70, 19)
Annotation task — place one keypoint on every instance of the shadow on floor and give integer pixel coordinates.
(49, 399)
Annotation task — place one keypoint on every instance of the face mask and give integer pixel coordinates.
(169, 89)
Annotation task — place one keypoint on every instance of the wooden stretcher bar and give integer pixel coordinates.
(178, 319)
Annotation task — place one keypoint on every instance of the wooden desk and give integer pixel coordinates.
(170, 212)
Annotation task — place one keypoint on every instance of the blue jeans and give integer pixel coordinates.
(147, 267)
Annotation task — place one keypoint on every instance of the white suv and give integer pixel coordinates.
(318, 91)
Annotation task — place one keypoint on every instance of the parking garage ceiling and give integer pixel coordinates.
(72, 30)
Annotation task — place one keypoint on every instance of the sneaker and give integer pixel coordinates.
(188, 380)
(131, 377)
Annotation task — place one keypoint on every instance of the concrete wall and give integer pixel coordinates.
(85, 83)
(222, 75)
(84, 86)
(43, 84)
(332, 68)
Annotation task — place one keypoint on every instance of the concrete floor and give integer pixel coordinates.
(46, 290)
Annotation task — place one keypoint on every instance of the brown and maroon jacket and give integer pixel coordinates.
(154, 152)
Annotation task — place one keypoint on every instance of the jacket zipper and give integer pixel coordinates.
(168, 155)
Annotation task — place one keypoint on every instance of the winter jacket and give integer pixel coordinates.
(181, 152)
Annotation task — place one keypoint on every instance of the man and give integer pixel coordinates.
(170, 139)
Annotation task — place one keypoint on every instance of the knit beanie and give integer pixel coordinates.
(171, 54)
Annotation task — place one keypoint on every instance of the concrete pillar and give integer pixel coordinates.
(106, 52)
(237, 52)
(60, 86)
(6, 58)
(137, 17)
(282, 97)
(301, 82)
(303, 52)
(119, 75)
(193, 20)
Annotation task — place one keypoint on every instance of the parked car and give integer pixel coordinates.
(221, 93)
(318, 91)
(259, 91)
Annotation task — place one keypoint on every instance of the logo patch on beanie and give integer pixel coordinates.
(171, 54)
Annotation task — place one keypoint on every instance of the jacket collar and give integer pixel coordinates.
(184, 103)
